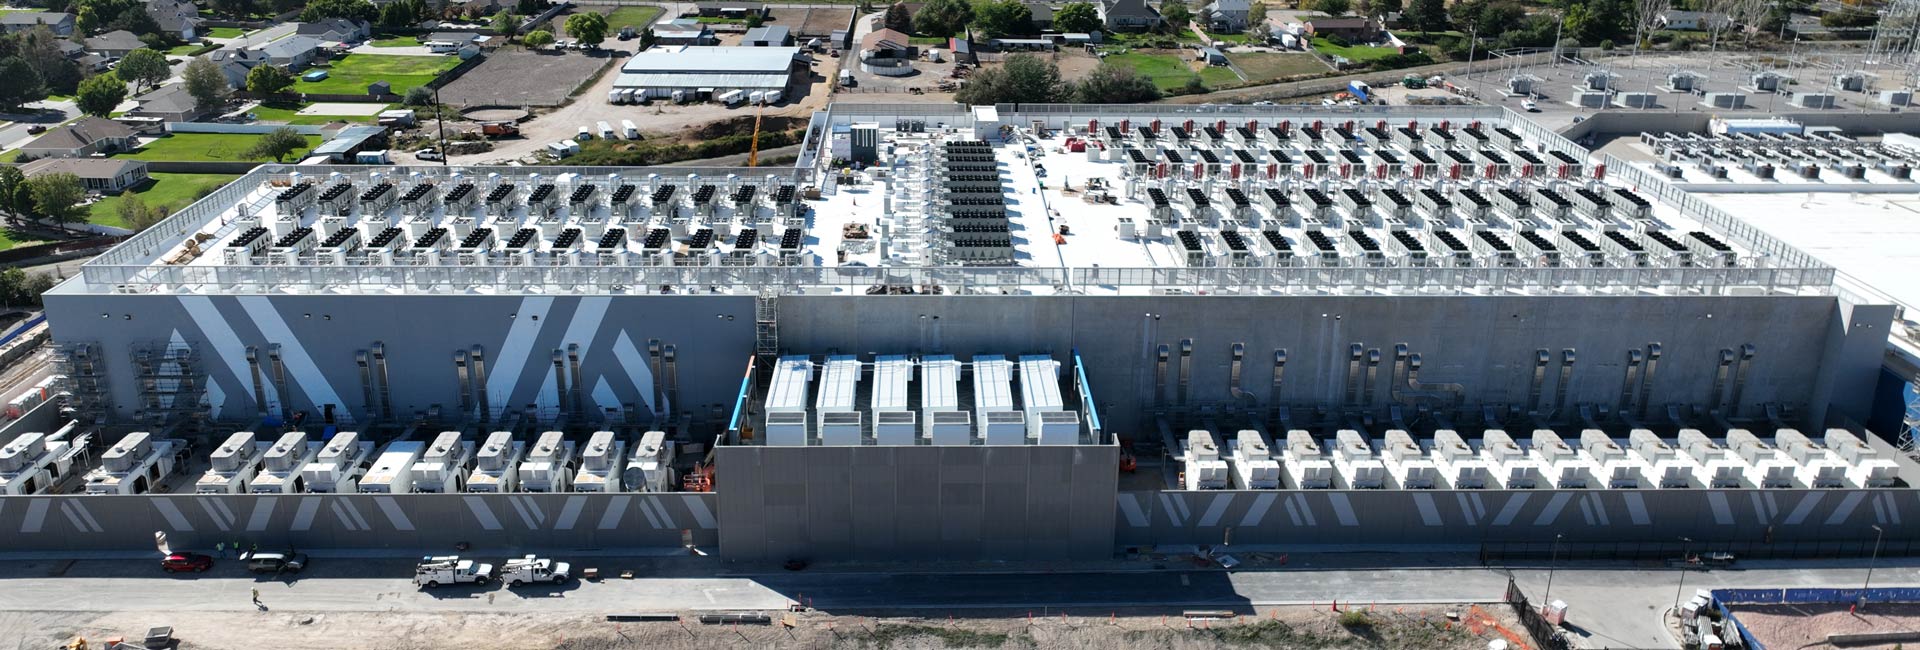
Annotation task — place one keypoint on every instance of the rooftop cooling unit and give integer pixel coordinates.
(950, 428)
(895, 428)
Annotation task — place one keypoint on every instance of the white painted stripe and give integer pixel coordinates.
(1808, 501)
(1306, 510)
(1508, 512)
(293, 354)
(36, 516)
(1551, 512)
(478, 505)
(80, 509)
(616, 510)
(1773, 505)
(341, 515)
(1722, 512)
(1586, 511)
(303, 514)
(548, 397)
(1845, 509)
(1479, 506)
(1429, 513)
(701, 515)
(569, 513)
(1893, 509)
(648, 513)
(216, 398)
(1181, 505)
(1600, 509)
(1636, 508)
(355, 511)
(226, 513)
(214, 514)
(659, 508)
(533, 506)
(395, 514)
(1759, 507)
(1343, 509)
(1216, 509)
(1130, 510)
(224, 343)
(585, 322)
(174, 517)
(262, 514)
(1466, 509)
(636, 367)
(1879, 512)
(521, 508)
(1258, 512)
(1173, 514)
(603, 395)
(66, 508)
(503, 375)
(1293, 512)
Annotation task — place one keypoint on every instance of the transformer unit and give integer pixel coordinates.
(1615, 468)
(136, 465)
(497, 464)
(1715, 466)
(35, 463)
(1866, 466)
(444, 466)
(1660, 463)
(1819, 466)
(1307, 467)
(1204, 469)
(1564, 466)
(602, 463)
(549, 465)
(282, 464)
(1253, 465)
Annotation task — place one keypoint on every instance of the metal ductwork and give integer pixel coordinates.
(560, 378)
(1541, 357)
(1355, 352)
(1406, 387)
(380, 372)
(1235, 354)
(1186, 371)
(366, 380)
(670, 356)
(1373, 374)
(280, 382)
(466, 384)
(479, 357)
(1646, 384)
(1720, 380)
(1740, 379)
(573, 367)
(659, 376)
(1630, 382)
(1160, 354)
(1566, 380)
(1279, 380)
(259, 388)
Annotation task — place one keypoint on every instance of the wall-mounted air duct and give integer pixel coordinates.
(1235, 354)
(1740, 379)
(1186, 370)
(670, 357)
(1355, 352)
(1279, 377)
(1373, 375)
(386, 386)
(659, 376)
(573, 368)
(1566, 380)
(479, 358)
(259, 387)
(560, 379)
(466, 385)
(1541, 357)
(280, 382)
(1720, 380)
(1160, 355)
(1406, 387)
(1646, 384)
(366, 380)
(1630, 382)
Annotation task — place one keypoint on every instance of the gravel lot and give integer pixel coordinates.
(1805, 627)
(519, 77)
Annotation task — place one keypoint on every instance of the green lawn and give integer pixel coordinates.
(934, 41)
(351, 75)
(205, 146)
(1360, 54)
(1218, 76)
(1267, 66)
(226, 32)
(717, 20)
(1168, 71)
(396, 41)
(183, 50)
(637, 17)
(290, 114)
(1236, 39)
(171, 191)
(10, 238)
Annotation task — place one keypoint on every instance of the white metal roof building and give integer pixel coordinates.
(662, 70)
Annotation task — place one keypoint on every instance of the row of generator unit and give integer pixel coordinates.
(1305, 134)
(449, 463)
(1350, 460)
(1013, 402)
(1766, 156)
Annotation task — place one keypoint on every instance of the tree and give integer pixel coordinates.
(530, 7)
(1077, 18)
(1386, 6)
(322, 9)
(1846, 18)
(538, 38)
(235, 8)
(755, 20)
(277, 144)
(205, 83)
(57, 197)
(1258, 14)
(1022, 78)
(589, 28)
(505, 23)
(898, 18)
(99, 94)
(41, 50)
(1333, 7)
(1003, 17)
(137, 215)
(1115, 84)
(11, 180)
(943, 18)
(144, 68)
(1427, 15)
(1177, 14)
(19, 84)
(267, 79)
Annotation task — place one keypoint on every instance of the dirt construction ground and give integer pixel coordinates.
(1386, 628)
(519, 77)
(1805, 627)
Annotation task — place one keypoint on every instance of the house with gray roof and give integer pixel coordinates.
(61, 24)
(293, 52)
(114, 44)
(103, 175)
(235, 64)
(1227, 16)
(170, 103)
(177, 18)
(1128, 15)
(85, 137)
(338, 30)
(768, 36)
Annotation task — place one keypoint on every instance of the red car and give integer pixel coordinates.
(186, 562)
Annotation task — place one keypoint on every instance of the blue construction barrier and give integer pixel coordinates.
(22, 329)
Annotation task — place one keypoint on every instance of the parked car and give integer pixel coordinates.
(429, 153)
(288, 562)
(191, 562)
(1529, 105)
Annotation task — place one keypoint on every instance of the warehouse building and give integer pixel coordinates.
(700, 73)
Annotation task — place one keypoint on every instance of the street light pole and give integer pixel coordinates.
(1552, 557)
(1684, 550)
(1875, 558)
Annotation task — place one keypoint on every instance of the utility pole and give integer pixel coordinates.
(1553, 558)
(439, 119)
(1685, 560)
(1875, 558)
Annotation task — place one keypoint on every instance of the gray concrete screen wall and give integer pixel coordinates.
(401, 521)
(965, 503)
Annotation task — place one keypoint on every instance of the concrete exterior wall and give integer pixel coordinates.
(399, 522)
(960, 503)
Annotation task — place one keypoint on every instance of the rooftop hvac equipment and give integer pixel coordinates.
(992, 385)
(939, 383)
(1564, 465)
(1660, 462)
(1353, 460)
(1253, 465)
(602, 463)
(841, 428)
(891, 374)
(1819, 466)
(1631, 205)
(337, 199)
(294, 200)
(1615, 466)
(246, 246)
(419, 197)
(1458, 466)
(497, 464)
(1512, 468)
(787, 429)
(1866, 467)
(950, 428)
(1766, 466)
(895, 428)
(792, 378)
(549, 464)
(443, 467)
(460, 198)
(1409, 467)
(839, 383)
(1004, 428)
(392, 470)
(1709, 251)
(1039, 385)
(1307, 467)
(1055, 427)
(542, 199)
(1716, 467)
(500, 199)
(1204, 469)
(338, 466)
(650, 469)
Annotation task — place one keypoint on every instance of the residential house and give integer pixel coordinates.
(1042, 14)
(61, 24)
(1227, 16)
(293, 52)
(78, 53)
(768, 36)
(85, 137)
(114, 44)
(177, 18)
(103, 175)
(683, 31)
(1128, 15)
(1352, 30)
(739, 10)
(171, 103)
(1693, 20)
(886, 44)
(235, 64)
(336, 30)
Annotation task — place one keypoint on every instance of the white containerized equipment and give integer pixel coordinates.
(135, 464)
(1615, 469)
(1819, 467)
(235, 463)
(1253, 465)
(496, 466)
(339, 465)
(1866, 466)
(549, 464)
(1565, 467)
(1512, 468)
(1307, 467)
(1659, 461)
(392, 471)
(1205, 470)
(280, 468)
(34, 462)
(893, 423)
(1460, 468)
(443, 468)
(992, 386)
(1766, 466)
(1047, 420)
(946, 424)
(1407, 464)
(1714, 465)
(651, 467)
(1353, 461)
(601, 463)
(840, 424)
(786, 403)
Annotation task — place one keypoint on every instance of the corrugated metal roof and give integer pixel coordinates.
(698, 80)
(712, 59)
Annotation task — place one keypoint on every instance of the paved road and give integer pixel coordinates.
(52, 114)
(1610, 604)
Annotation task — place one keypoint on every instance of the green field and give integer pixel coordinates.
(395, 41)
(222, 147)
(289, 114)
(638, 17)
(351, 75)
(225, 32)
(183, 50)
(1361, 54)
(1168, 71)
(1218, 76)
(1267, 66)
(718, 20)
(170, 191)
(1235, 39)
(10, 238)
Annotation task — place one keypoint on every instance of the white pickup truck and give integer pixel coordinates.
(530, 569)
(448, 570)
